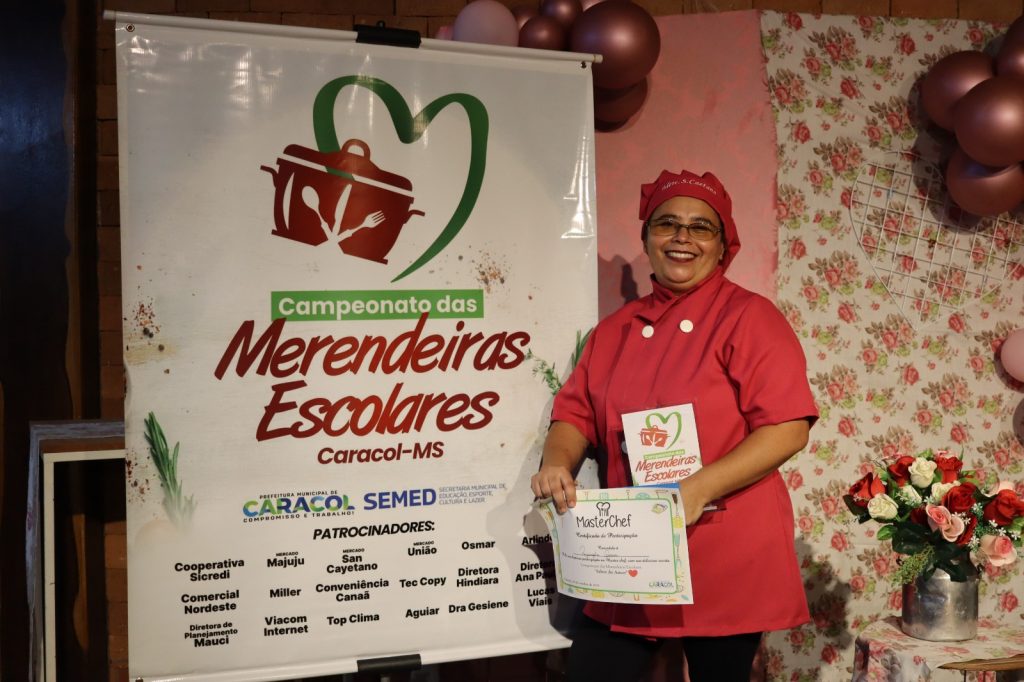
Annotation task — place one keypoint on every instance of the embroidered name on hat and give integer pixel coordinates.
(688, 181)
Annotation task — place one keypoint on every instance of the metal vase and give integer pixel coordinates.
(940, 609)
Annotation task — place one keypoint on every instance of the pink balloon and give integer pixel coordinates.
(989, 121)
(486, 21)
(523, 13)
(543, 33)
(982, 190)
(443, 33)
(1011, 354)
(951, 78)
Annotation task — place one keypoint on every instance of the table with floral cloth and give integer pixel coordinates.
(884, 653)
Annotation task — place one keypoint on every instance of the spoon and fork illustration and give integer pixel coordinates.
(336, 235)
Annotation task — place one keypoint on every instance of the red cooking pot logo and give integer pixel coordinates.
(352, 204)
(335, 194)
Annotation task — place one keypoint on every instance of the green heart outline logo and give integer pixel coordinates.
(665, 420)
(410, 128)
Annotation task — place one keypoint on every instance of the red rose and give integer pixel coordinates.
(866, 22)
(960, 498)
(907, 45)
(839, 542)
(919, 516)
(813, 65)
(899, 470)
(794, 21)
(801, 133)
(949, 466)
(956, 323)
(910, 375)
(890, 339)
(832, 276)
(838, 163)
(865, 489)
(829, 654)
(1003, 509)
(874, 133)
(782, 94)
(849, 88)
(1008, 601)
(846, 313)
(844, 198)
(833, 51)
(797, 249)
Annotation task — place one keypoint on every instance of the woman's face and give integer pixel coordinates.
(680, 262)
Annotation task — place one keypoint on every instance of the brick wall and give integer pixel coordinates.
(425, 16)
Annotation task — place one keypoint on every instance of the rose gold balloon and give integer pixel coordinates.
(989, 121)
(523, 13)
(443, 33)
(616, 106)
(486, 21)
(1015, 34)
(951, 78)
(543, 33)
(564, 11)
(1010, 60)
(983, 190)
(625, 35)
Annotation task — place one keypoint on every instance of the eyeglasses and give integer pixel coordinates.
(669, 227)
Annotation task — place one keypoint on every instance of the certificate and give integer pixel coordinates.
(625, 545)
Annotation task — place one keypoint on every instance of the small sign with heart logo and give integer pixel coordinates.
(661, 444)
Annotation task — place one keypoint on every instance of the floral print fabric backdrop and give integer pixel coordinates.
(844, 93)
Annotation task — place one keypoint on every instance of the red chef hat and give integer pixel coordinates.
(705, 187)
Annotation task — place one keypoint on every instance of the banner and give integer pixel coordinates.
(352, 276)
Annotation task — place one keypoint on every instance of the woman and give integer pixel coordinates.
(698, 339)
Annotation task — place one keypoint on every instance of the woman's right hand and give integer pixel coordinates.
(556, 482)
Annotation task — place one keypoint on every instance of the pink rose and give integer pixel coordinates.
(832, 276)
(805, 524)
(882, 566)
(1008, 601)
(830, 506)
(846, 313)
(1002, 458)
(858, 583)
(895, 121)
(907, 45)
(946, 399)
(835, 392)
(829, 654)
(958, 434)
(816, 177)
(801, 133)
(890, 339)
(910, 375)
(998, 550)
(840, 543)
(797, 249)
(849, 88)
(846, 427)
(833, 51)
(813, 65)
(908, 264)
(956, 323)
(976, 363)
(838, 163)
(923, 417)
(847, 195)
(896, 600)
(810, 293)
(866, 23)
(782, 95)
(940, 519)
(794, 480)
(976, 36)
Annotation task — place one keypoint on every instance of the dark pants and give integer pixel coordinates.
(600, 655)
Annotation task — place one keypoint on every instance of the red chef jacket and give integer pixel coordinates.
(731, 354)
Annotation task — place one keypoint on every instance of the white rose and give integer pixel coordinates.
(940, 489)
(921, 472)
(910, 495)
(882, 508)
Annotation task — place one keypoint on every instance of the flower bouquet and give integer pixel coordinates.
(938, 516)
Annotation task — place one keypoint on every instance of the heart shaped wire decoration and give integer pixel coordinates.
(928, 254)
